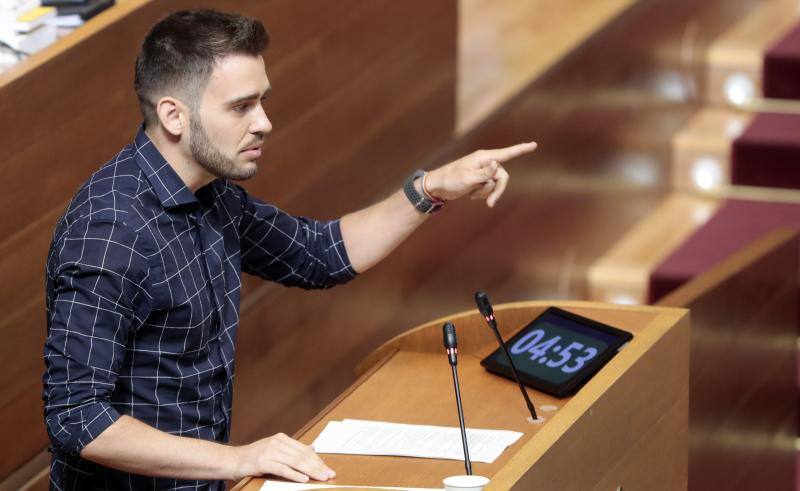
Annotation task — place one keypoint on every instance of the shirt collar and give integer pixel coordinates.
(169, 187)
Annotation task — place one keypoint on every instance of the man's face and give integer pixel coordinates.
(228, 129)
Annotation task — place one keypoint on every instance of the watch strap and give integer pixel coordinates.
(421, 202)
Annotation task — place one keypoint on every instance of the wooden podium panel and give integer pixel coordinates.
(627, 426)
(743, 385)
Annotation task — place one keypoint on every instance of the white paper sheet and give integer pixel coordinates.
(296, 486)
(359, 437)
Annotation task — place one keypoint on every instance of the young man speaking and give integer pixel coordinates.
(144, 272)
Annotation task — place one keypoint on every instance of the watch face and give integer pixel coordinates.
(558, 352)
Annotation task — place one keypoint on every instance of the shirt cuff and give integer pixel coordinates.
(76, 427)
(343, 270)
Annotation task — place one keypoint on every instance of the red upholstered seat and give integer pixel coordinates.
(768, 152)
(782, 67)
(736, 224)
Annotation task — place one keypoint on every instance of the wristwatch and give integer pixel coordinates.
(421, 202)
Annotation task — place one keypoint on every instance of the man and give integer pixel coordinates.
(143, 275)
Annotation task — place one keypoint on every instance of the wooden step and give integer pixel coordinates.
(622, 274)
(719, 147)
(505, 44)
(782, 67)
(701, 150)
(737, 56)
(767, 154)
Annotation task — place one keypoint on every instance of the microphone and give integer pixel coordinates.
(486, 310)
(451, 346)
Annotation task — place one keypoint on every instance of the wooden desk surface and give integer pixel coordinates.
(416, 388)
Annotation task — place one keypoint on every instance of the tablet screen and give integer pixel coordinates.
(558, 351)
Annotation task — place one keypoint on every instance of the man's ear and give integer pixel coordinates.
(173, 115)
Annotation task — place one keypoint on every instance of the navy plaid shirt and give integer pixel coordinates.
(143, 283)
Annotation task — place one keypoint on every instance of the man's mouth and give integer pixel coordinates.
(252, 151)
(252, 147)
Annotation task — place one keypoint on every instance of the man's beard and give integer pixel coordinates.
(211, 159)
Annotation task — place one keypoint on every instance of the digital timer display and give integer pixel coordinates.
(559, 351)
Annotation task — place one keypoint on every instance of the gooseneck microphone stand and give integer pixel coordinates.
(451, 346)
(485, 307)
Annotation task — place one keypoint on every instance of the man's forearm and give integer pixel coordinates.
(133, 446)
(372, 233)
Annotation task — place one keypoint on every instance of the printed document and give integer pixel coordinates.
(296, 486)
(360, 437)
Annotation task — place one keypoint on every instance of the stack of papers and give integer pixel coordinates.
(359, 437)
(24, 28)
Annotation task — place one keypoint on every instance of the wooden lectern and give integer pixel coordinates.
(625, 429)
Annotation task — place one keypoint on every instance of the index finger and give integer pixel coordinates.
(508, 153)
(302, 458)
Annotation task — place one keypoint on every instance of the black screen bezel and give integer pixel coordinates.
(580, 377)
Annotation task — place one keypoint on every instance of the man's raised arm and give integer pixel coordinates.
(372, 233)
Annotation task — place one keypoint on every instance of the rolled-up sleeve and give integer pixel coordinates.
(95, 297)
(291, 250)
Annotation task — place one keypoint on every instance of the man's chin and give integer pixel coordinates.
(244, 171)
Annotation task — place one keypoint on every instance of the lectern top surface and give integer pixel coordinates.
(417, 388)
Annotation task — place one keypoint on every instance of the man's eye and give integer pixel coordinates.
(240, 108)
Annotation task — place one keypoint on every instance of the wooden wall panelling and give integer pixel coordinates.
(363, 92)
(743, 392)
(510, 43)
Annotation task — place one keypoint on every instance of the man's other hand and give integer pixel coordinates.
(282, 456)
(479, 174)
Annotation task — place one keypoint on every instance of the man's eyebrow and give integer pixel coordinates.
(249, 97)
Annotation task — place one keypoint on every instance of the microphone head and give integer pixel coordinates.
(449, 332)
(484, 305)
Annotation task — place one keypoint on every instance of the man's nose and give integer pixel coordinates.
(261, 123)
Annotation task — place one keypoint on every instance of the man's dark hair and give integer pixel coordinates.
(179, 53)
